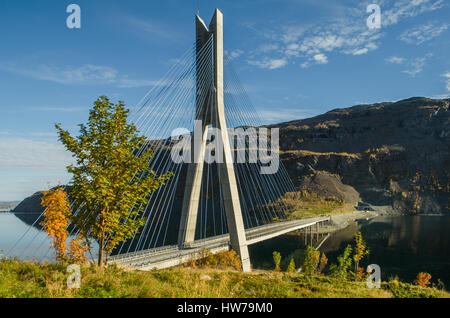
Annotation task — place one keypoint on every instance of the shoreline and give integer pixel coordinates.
(341, 221)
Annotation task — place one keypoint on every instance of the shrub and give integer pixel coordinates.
(77, 251)
(229, 259)
(404, 290)
(423, 279)
(322, 263)
(291, 266)
(341, 269)
(276, 260)
(222, 260)
(360, 251)
(310, 261)
(440, 285)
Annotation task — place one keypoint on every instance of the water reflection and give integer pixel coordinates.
(401, 245)
(26, 241)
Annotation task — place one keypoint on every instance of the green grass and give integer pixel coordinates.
(27, 279)
(303, 204)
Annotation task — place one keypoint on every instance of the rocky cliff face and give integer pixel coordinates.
(394, 154)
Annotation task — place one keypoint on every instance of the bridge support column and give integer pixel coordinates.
(216, 110)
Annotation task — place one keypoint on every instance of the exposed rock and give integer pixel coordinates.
(395, 154)
(329, 185)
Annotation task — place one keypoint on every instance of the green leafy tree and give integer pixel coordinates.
(322, 263)
(360, 251)
(111, 178)
(276, 260)
(341, 269)
(291, 266)
(310, 261)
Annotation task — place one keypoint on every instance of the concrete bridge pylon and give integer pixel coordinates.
(212, 112)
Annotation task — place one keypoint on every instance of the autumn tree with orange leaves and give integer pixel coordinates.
(56, 220)
(423, 279)
(57, 217)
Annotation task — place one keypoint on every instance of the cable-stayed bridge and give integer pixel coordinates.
(172, 255)
(228, 185)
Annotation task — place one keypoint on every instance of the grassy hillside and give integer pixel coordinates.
(27, 279)
(302, 205)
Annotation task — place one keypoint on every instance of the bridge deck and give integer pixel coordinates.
(171, 255)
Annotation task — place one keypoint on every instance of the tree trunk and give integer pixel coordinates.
(101, 251)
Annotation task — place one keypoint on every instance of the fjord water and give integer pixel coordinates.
(28, 241)
(34, 244)
(400, 245)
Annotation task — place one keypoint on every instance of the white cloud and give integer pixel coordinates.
(87, 74)
(321, 58)
(270, 64)
(346, 33)
(126, 82)
(360, 51)
(146, 28)
(267, 47)
(312, 43)
(282, 115)
(441, 96)
(56, 109)
(65, 75)
(447, 78)
(416, 65)
(27, 166)
(43, 134)
(395, 60)
(234, 54)
(413, 66)
(27, 154)
(423, 33)
(408, 9)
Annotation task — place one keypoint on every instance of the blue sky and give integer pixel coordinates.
(296, 58)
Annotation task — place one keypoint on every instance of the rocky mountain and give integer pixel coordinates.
(393, 153)
(31, 204)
